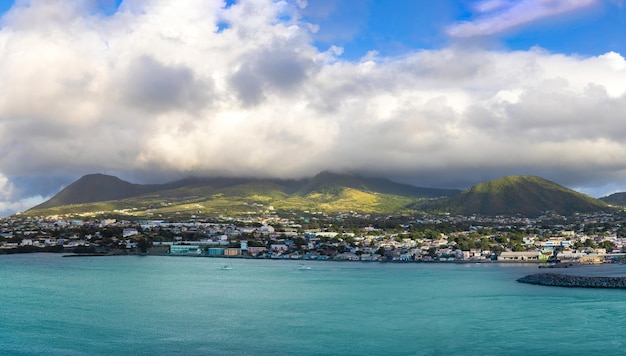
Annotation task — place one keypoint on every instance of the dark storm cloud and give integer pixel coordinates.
(156, 87)
(268, 72)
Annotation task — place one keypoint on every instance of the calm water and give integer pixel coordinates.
(183, 305)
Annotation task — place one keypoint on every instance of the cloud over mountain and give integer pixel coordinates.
(167, 89)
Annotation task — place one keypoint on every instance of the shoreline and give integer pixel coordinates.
(73, 255)
(116, 253)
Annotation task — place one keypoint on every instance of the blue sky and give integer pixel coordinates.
(396, 26)
(444, 93)
(393, 27)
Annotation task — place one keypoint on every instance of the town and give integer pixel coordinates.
(582, 238)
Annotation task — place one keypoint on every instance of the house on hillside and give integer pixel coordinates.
(127, 232)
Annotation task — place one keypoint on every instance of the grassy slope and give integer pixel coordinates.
(109, 188)
(327, 192)
(527, 195)
(615, 199)
(242, 199)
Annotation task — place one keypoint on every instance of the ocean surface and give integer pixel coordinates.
(147, 305)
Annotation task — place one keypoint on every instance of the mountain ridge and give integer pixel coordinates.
(326, 191)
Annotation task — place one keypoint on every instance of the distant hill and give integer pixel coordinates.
(328, 180)
(526, 195)
(615, 199)
(95, 188)
(326, 191)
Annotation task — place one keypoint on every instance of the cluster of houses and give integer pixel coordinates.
(292, 240)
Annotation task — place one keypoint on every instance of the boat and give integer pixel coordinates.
(227, 266)
(303, 267)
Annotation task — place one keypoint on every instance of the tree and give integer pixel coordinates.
(608, 245)
(484, 244)
(464, 243)
(143, 244)
(590, 243)
(518, 248)
(432, 252)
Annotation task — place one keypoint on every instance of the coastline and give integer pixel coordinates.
(530, 263)
(159, 252)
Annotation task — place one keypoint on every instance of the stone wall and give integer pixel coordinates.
(564, 280)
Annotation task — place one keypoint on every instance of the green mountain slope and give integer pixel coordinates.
(326, 181)
(615, 199)
(526, 195)
(96, 188)
(327, 192)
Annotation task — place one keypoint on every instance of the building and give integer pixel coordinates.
(256, 250)
(129, 232)
(185, 250)
(525, 256)
(215, 251)
(232, 252)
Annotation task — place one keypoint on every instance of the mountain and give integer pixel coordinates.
(327, 192)
(526, 195)
(94, 188)
(328, 180)
(615, 199)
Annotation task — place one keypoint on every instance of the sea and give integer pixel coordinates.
(161, 305)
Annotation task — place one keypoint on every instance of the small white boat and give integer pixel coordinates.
(227, 266)
(303, 267)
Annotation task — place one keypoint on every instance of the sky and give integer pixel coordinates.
(443, 93)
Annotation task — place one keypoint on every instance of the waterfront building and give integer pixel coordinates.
(232, 252)
(215, 251)
(185, 250)
(252, 250)
(520, 256)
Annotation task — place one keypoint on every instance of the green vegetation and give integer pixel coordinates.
(525, 195)
(615, 199)
(325, 193)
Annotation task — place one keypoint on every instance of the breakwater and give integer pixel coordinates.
(564, 280)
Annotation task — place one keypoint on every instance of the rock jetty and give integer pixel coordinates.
(564, 280)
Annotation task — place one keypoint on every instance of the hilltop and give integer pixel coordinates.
(95, 188)
(525, 195)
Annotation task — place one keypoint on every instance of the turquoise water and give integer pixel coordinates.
(182, 305)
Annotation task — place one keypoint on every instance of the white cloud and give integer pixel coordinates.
(10, 200)
(157, 91)
(6, 188)
(497, 16)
